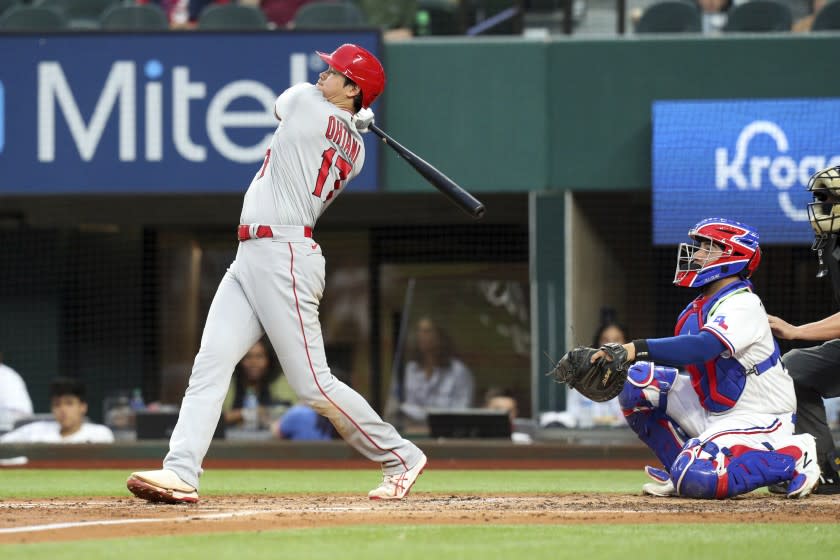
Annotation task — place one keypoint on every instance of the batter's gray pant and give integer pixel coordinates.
(275, 285)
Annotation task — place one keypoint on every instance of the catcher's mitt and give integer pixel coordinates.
(599, 381)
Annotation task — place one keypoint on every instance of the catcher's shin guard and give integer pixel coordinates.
(697, 472)
(643, 401)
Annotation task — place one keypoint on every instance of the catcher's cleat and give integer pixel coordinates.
(660, 489)
(397, 486)
(807, 474)
(162, 486)
(657, 475)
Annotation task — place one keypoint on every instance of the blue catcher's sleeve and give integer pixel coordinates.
(683, 349)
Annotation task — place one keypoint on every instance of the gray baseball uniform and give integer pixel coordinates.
(275, 286)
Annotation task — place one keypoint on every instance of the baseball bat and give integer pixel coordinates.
(458, 196)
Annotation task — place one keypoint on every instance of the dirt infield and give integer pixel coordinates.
(59, 520)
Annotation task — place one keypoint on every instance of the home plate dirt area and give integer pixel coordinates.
(56, 520)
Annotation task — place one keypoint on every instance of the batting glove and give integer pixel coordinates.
(363, 119)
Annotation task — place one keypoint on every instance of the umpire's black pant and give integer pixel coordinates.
(816, 374)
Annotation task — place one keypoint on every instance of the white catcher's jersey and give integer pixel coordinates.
(740, 322)
(314, 152)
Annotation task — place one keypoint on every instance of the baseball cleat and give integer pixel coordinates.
(807, 474)
(397, 486)
(660, 489)
(657, 475)
(163, 486)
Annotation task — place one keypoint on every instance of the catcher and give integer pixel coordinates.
(726, 427)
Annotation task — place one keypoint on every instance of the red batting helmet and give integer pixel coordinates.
(360, 66)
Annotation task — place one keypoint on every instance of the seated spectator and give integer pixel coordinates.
(714, 14)
(433, 378)
(14, 399)
(69, 408)
(499, 399)
(302, 423)
(281, 12)
(258, 372)
(804, 23)
(183, 14)
(588, 413)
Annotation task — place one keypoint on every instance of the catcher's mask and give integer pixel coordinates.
(731, 248)
(824, 211)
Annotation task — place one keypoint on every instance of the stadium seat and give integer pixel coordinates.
(32, 18)
(134, 17)
(80, 14)
(232, 16)
(7, 4)
(325, 15)
(670, 16)
(759, 16)
(828, 18)
(444, 17)
(391, 14)
(281, 12)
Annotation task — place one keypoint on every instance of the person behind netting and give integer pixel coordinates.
(14, 398)
(587, 413)
(726, 428)
(257, 375)
(496, 398)
(69, 407)
(434, 377)
(815, 370)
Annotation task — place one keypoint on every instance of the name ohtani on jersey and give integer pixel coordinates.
(338, 133)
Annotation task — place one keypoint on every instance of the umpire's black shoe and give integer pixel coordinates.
(828, 485)
(830, 478)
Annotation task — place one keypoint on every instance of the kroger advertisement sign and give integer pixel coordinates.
(174, 112)
(748, 160)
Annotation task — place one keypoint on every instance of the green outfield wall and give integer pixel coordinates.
(518, 115)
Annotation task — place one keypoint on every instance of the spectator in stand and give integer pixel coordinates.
(257, 372)
(302, 423)
(804, 23)
(184, 13)
(503, 400)
(586, 412)
(434, 377)
(714, 14)
(14, 399)
(281, 12)
(69, 407)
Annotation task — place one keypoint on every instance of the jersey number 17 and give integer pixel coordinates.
(344, 168)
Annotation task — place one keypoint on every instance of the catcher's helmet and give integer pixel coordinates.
(360, 66)
(738, 253)
(824, 211)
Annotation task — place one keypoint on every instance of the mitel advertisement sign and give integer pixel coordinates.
(142, 113)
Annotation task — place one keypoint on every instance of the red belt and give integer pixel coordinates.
(243, 232)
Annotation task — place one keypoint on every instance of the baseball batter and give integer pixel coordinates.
(726, 428)
(276, 282)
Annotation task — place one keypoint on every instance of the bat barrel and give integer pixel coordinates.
(461, 198)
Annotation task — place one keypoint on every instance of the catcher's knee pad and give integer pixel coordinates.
(709, 471)
(643, 401)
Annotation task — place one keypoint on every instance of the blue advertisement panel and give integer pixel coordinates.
(749, 160)
(174, 112)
